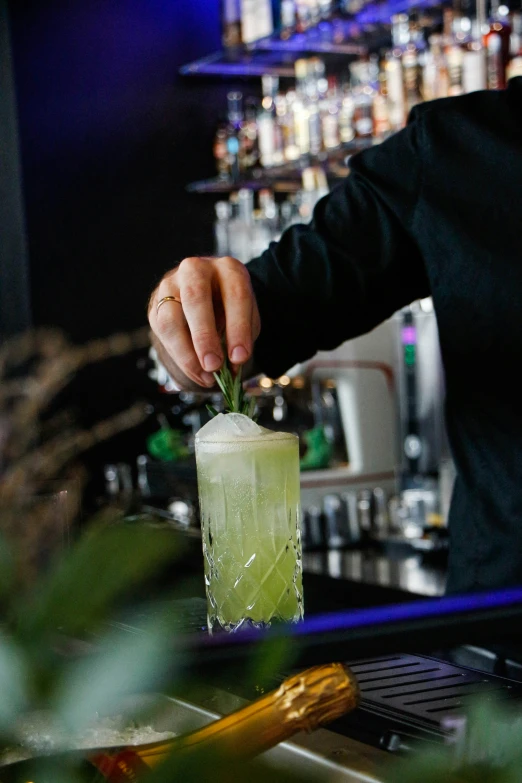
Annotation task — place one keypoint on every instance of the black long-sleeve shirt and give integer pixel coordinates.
(435, 210)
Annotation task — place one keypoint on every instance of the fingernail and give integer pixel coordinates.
(238, 355)
(208, 379)
(211, 362)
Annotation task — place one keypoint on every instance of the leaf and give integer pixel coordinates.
(13, 683)
(232, 390)
(237, 391)
(6, 567)
(127, 664)
(269, 658)
(212, 410)
(87, 582)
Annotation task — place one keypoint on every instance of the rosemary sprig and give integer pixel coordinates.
(236, 401)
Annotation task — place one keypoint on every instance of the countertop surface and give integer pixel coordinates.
(411, 573)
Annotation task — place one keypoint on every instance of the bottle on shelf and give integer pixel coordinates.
(394, 89)
(221, 228)
(474, 66)
(288, 18)
(515, 45)
(234, 127)
(303, 15)
(434, 71)
(270, 132)
(231, 23)
(381, 118)
(330, 121)
(314, 86)
(300, 108)
(496, 44)
(256, 20)
(220, 152)
(248, 136)
(285, 119)
(363, 96)
(240, 226)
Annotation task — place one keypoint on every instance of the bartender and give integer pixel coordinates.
(434, 211)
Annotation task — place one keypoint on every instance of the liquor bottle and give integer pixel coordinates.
(256, 20)
(381, 120)
(435, 70)
(515, 64)
(346, 114)
(240, 226)
(302, 702)
(395, 89)
(221, 153)
(248, 137)
(286, 119)
(329, 110)
(326, 8)
(221, 228)
(496, 44)
(455, 62)
(288, 18)
(474, 67)
(363, 96)
(315, 12)
(313, 88)
(270, 134)
(412, 76)
(235, 119)
(300, 108)
(231, 23)
(303, 15)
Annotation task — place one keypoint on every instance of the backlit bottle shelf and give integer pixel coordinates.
(287, 177)
(368, 30)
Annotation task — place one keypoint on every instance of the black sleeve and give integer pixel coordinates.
(352, 267)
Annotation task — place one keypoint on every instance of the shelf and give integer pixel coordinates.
(287, 177)
(338, 37)
(369, 30)
(241, 63)
(275, 56)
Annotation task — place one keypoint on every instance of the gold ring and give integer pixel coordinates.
(167, 299)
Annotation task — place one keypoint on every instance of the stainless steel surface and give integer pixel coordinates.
(406, 573)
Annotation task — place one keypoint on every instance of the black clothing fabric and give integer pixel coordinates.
(435, 210)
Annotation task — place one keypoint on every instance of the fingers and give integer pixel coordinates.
(210, 290)
(195, 280)
(171, 329)
(239, 308)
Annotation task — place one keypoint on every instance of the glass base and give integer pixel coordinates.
(218, 625)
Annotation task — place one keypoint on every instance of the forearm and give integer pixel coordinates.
(351, 268)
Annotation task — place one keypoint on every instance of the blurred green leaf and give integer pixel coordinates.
(87, 582)
(269, 658)
(127, 664)
(13, 683)
(208, 766)
(6, 567)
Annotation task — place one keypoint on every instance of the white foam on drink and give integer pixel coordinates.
(235, 427)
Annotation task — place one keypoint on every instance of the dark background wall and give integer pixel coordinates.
(110, 135)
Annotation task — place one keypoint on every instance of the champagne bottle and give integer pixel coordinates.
(302, 702)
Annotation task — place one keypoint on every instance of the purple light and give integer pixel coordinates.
(409, 335)
(446, 608)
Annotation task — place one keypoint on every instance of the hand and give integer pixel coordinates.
(216, 295)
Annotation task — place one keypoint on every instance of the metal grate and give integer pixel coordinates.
(420, 692)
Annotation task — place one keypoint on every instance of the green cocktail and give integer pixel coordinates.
(248, 479)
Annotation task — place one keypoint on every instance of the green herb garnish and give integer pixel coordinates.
(236, 401)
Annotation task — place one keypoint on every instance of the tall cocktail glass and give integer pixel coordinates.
(248, 480)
